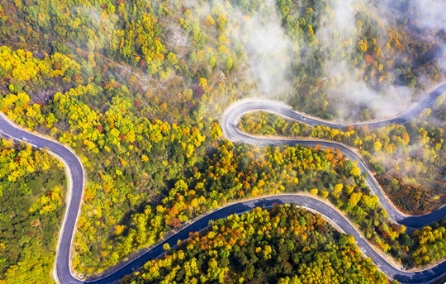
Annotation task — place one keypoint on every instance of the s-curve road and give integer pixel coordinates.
(76, 176)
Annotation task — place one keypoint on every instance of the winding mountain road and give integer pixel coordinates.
(76, 177)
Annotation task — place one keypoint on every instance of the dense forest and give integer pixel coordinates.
(284, 245)
(31, 198)
(136, 88)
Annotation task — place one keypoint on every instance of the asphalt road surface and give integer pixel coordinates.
(76, 176)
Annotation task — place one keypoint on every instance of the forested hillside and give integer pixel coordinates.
(137, 88)
(31, 197)
(284, 245)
